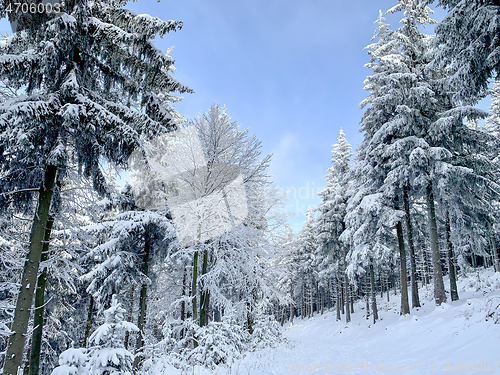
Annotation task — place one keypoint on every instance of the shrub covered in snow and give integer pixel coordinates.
(72, 362)
(109, 356)
(186, 344)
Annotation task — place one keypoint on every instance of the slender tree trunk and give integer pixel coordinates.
(342, 296)
(311, 300)
(346, 290)
(193, 286)
(381, 280)
(387, 289)
(143, 299)
(346, 294)
(203, 292)
(439, 293)
(130, 313)
(338, 302)
(415, 300)
(36, 340)
(367, 298)
(88, 325)
(374, 293)
(352, 299)
(249, 318)
(14, 356)
(405, 306)
(426, 267)
(451, 261)
(292, 307)
(184, 294)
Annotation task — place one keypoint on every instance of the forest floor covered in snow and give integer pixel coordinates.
(455, 337)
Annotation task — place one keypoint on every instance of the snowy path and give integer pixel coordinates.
(451, 339)
(426, 342)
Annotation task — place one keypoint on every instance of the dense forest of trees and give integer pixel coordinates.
(193, 263)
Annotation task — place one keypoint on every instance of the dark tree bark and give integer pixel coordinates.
(374, 293)
(494, 251)
(204, 293)
(193, 286)
(130, 312)
(36, 339)
(143, 299)
(14, 355)
(342, 297)
(415, 300)
(249, 318)
(346, 290)
(405, 306)
(292, 307)
(367, 299)
(439, 293)
(451, 261)
(352, 299)
(88, 325)
(426, 267)
(338, 302)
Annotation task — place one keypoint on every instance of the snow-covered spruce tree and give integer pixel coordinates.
(407, 104)
(109, 356)
(61, 301)
(331, 252)
(78, 71)
(373, 208)
(135, 239)
(467, 43)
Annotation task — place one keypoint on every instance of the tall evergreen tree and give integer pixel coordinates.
(331, 222)
(95, 86)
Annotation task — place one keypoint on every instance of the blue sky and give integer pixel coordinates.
(290, 70)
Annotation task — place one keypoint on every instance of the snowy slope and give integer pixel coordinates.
(426, 342)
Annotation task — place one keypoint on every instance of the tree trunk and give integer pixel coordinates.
(36, 340)
(493, 242)
(342, 297)
(451, 261)
(352, 299)
(88, 325)
(193, 286)
(387, 289)
(439, 293)
(405, 306)
(203, 292)
(374, 293)
(367, 299)
(426, 267)
(338, 302)
(143, 299)
(249, 318)
(347, 298)
(415, 300)
(292, 312)
(130, 313)
(14, 356)
(346, 290)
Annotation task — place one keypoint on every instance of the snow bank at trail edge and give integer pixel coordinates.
(455, 338)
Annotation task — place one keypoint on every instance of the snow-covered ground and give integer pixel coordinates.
(457, 337)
